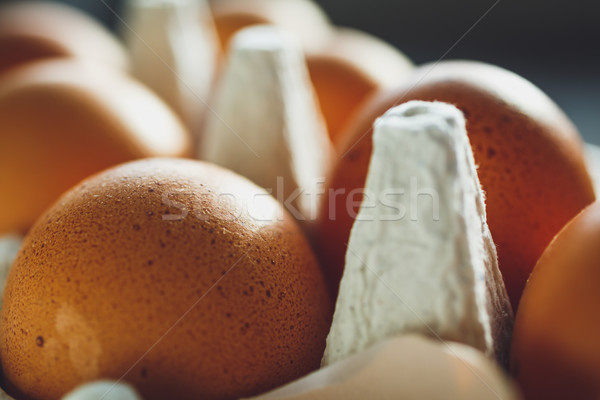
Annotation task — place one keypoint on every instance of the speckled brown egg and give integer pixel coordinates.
(529, 157)
(178, 276)
(35, 30)
(63, 120)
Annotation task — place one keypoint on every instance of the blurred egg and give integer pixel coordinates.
(349, 68)
(529, 157)
(34, 30)
(183, 278)
(304, 18)
(61, 120)
(405, 367)
(555, 349)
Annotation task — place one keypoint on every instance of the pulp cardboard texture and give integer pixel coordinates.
(266, 123)
(420, 257)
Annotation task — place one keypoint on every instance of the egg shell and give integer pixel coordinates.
(62, 120)
(555, 350)
(350, 67)
(304, 18)
(405, 367)
(183, 278)
(34, 30)
(529, 156)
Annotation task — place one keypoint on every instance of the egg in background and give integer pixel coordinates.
(555, 351)
(304, 18)
(62, 120)
(35, 30)
(350, 67)
(529, 156)
(184, 277)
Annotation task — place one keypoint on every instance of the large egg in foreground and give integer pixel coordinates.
(182, 277)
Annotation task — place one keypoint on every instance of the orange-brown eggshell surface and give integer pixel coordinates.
(61, 121)
(555, 350)
(349, 68)
(303, 18)
(187, 278)
(34, 30)
(529, 158)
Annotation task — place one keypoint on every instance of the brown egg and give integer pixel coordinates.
(349, 68)
(61, 120)
(555, 349)
(404, 367)
(183, 278)
(301, 17)
(34, 30)
(529, 156)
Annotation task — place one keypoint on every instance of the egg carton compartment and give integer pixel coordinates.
(325, 379)
(366, 368)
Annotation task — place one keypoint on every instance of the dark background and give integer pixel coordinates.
(553, 43)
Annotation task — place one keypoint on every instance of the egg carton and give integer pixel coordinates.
(364, 342)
